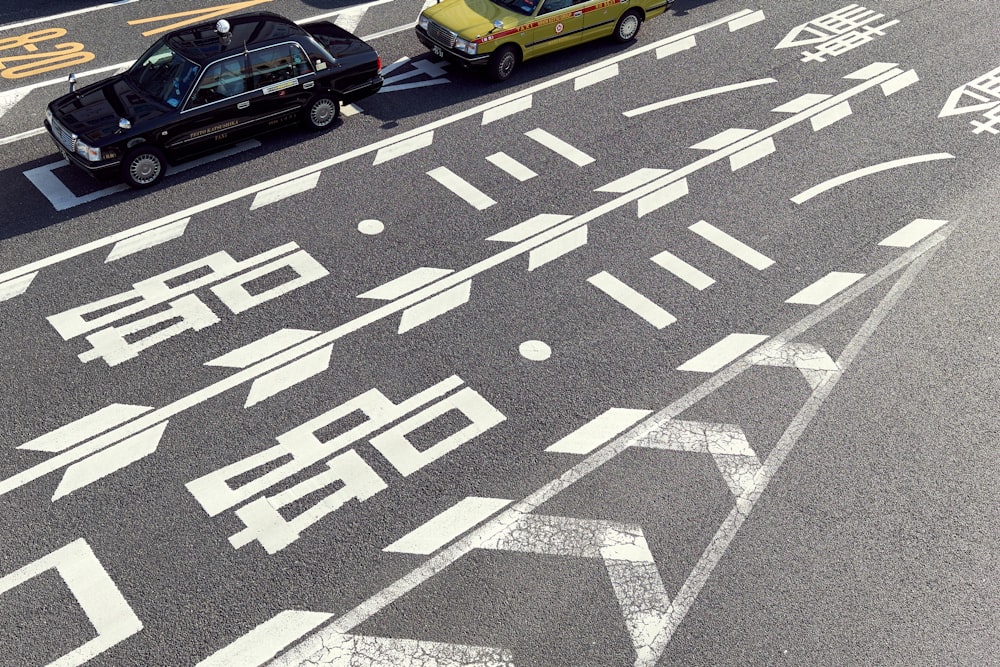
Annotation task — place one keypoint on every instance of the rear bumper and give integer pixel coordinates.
(363, 90)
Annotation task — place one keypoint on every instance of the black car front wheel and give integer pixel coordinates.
(143, 166)
(321, 111)
(503, 62)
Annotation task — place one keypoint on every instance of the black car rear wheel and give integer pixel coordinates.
(628, 26)
(503, 62)
(321, 111)
(143, 166)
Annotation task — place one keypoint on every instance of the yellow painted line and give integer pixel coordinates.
(198, 16)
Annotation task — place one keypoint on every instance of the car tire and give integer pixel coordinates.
(321, 112)
(143, 166)
(627, 27)
(503, 62)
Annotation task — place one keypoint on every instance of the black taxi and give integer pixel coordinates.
(199, 88)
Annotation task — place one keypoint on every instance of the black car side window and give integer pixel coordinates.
(277, 63)
(226, 78)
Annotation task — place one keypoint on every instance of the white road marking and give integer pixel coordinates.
(696, 96)
(676, 47)
(560, 147)
(285, 190)
(371, 227)
(449, 524)
(812, 360)
(394, 150)
(16, 286)
(535, 350)
(405, 284)
(630, 182)
(94, 591)
(265, 347)
(101, 464)
(298, 371)
(329, 337)
(831, 116)
(507, 109)
(631, 299)
(461, 187)
(77, 431)
(912, 262)
(723, 139)
(147, 239)
(266, 640)
(801, 103)
(747, 20)
(825, 288)
(530, 227)
(837, 181)
(589, 79)
(350, 110)
(663, 196)
(733, 246)
(870, 71)
(722, 353)
(598, 431)
(752, 154)
(896, 84)
(726, 443)
(683, 270)
(511, 166)
(557, 247)
(437, 305)
(911, 233)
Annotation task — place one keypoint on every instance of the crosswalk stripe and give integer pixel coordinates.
(683, 270)
(557, 145)
(461, 187)
(631, 299)
(733, 246)
(511, 166)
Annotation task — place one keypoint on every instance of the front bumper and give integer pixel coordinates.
(97, 169)
(450, 54)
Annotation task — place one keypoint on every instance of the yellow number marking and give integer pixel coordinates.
(39, 62)
(197, 16)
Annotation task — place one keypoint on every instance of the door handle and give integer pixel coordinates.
(243, 105)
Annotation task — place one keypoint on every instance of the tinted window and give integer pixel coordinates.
(163, 74)
(277, 63)
(222, 79)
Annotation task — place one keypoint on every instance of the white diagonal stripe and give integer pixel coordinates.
(733, 246)
(557, 145)
(449, 524)
(826, 287)
(631, 299)
(722, 353)
(461, 187)
(683, 270)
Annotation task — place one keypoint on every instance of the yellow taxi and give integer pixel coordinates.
(499, 34)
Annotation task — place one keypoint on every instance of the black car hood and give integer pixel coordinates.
(93, 112)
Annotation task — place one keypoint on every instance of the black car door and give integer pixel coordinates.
(283, 76)
(219, 110)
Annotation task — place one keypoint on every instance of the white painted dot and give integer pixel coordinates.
(535, 350)
(371, 227)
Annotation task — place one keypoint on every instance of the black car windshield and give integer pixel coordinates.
(163, 74)
(525, 7)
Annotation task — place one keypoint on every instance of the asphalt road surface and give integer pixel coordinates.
(674, 353)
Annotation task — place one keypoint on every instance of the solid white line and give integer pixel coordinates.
(449, 524)
(405, 284)
(734, 247)
(11, 26)
(557, 145)
(598, 431)
(722, 353)
(696, 96)
(511, 166)
(913, 232)
(867, 171)
(683, 270)
(631, 299)
(825, 288)
(752, 154)
(630, 182)
(396, 149)
(461, 187)
(24, 135)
